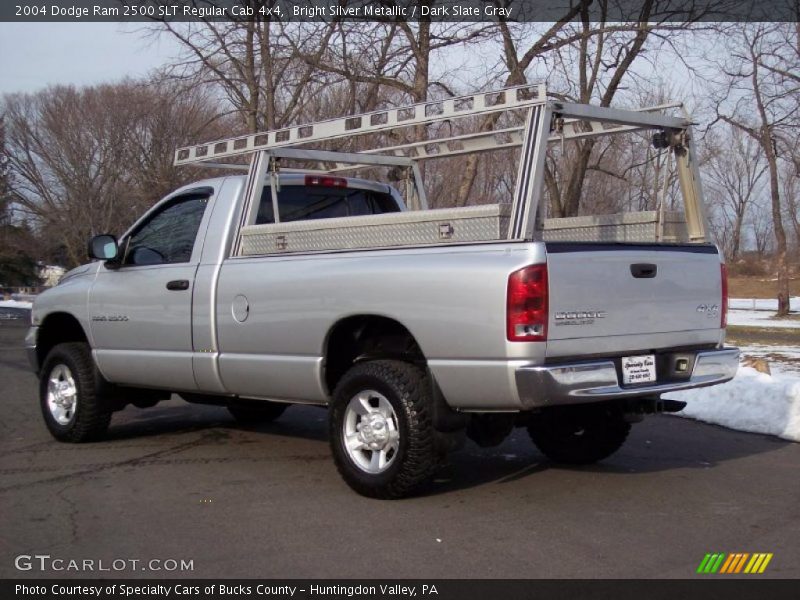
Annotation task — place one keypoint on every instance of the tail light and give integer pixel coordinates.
(326, 181)
(526, 305)
(723, 308)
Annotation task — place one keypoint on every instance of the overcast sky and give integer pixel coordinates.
(33, 55)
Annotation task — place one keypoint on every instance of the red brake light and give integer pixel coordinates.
(723, 309)
(326, 181)
(526, 305)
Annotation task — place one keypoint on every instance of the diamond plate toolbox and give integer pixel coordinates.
(441, 226)
(625, 227)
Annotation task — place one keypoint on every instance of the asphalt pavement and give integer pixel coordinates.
(185, 483)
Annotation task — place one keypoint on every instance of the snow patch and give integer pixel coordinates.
(781, 359)
(752, 318)
(752, 401)
(15, 304)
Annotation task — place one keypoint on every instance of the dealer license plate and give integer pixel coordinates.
(638, 369)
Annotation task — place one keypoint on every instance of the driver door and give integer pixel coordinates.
(140, 310)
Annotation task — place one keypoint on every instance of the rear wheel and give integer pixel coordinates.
(72, 408)
(257, 412)
(579, 435)
(381, 430)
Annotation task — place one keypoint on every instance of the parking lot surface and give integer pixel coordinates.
(185, 482)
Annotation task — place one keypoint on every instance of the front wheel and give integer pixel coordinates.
(381, 428)
(72, 408)
(579, 435)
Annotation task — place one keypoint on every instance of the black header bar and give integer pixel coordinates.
(653, 11)
(744, 587)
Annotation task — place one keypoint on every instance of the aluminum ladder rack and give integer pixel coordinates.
(545, 120)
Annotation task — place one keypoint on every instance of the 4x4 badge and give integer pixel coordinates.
(711, 310)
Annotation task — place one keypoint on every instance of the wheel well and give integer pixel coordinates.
(57, 328)
(366, 337)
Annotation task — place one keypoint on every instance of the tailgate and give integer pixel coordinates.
(630, 297)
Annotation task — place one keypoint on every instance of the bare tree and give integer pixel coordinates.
(515, 61)
(761, 226)
(395, 56)
(5, 183)
(585, 57)
(88, 161)
(790, 178)
(253, 63)
(599, 67)
(17, 243)
(734, 174)
(166, 117)
(791, 193)
(762, 99)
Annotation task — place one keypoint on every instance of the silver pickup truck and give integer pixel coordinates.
(415, 328)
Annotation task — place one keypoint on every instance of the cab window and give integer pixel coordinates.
(306, 202)
(168, 236)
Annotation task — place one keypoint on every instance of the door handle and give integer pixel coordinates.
(178, 284)
(644, 270)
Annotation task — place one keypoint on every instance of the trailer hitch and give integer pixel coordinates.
(635, 410)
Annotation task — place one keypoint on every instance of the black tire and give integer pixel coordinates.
(407, 388)
(91, 412)
(579, 435)
(257, 413)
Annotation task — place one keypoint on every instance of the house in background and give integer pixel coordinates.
(50, 274)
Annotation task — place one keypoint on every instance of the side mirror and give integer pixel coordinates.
(103, 247)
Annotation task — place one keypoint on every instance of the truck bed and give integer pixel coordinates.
(483, 223)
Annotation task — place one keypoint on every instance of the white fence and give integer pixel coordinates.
(770, 304)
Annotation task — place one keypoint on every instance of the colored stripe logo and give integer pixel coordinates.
(737, 562)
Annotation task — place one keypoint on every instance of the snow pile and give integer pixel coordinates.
(753, 402)
(754, 318)
(15, 304)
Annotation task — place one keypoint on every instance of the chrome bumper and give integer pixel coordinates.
(30, 348)
(595, 381)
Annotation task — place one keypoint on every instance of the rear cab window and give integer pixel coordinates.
(308, 202)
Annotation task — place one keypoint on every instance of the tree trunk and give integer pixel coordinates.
(572, 194)
(777, 224)
(737, 236)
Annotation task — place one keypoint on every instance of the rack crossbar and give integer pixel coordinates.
(510, 137)
(507, 99)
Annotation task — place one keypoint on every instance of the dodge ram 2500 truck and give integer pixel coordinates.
(416, 328)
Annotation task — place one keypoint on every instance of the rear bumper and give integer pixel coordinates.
(595, 381)
(30, 348)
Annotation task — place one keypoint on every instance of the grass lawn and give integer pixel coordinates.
(759, 287)
(761, 335)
